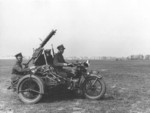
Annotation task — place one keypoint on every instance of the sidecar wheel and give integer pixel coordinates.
(30, 90)
(94, 88)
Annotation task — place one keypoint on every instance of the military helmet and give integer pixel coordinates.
(19, 54)
(61, 47)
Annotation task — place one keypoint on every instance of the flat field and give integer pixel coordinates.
(128, 91)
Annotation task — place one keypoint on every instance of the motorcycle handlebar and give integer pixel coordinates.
(78, 64)
(75, 64)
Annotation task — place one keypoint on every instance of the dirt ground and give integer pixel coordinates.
(128, 91)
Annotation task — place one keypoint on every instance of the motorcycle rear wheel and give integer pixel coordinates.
(94, 88)
(29, 90)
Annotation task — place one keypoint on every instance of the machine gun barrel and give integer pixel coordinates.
(47, 38)
(39, 50)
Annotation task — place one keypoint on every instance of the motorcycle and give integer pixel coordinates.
(42, 79)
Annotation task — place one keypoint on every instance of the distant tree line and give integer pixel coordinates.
(131, 57)
(139, 57)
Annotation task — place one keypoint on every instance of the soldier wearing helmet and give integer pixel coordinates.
(60, 63)
(18, 71)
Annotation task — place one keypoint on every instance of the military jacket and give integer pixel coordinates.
(58, 61)
(17, 69)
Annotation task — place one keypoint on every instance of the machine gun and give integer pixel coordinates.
(37, 52)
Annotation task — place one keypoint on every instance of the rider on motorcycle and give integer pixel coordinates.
(18, 71)
(61, 66)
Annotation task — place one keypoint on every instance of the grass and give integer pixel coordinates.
(128, 91)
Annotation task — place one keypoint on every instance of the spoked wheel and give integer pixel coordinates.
(30, 90)
(94, 88)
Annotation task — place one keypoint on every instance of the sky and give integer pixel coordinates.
(117, 28)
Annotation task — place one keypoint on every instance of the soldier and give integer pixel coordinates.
(18, 71)
(41, 60)
(49, 56)
(60, 63)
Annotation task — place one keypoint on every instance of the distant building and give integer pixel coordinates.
(136, 57)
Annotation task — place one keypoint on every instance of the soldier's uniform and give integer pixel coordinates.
(58, 64)
(58, 61)
(17, 71)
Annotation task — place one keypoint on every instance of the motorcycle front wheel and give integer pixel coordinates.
(94, 88)
(29, 90)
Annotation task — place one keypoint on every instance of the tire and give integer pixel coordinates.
(30, 90)
(94, 93)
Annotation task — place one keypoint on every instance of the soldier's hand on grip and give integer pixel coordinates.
(25, 65)
(70, 65)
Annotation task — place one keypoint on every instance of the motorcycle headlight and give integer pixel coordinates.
(87, 64)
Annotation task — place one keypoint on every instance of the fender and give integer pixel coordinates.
(95, 74)
(91, 74)
(29, 76)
